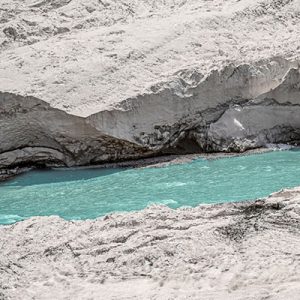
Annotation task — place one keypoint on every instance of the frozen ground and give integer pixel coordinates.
(246, 250)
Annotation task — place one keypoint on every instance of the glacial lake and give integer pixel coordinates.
(91, 193)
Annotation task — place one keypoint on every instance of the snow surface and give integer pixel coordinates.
(86, 56)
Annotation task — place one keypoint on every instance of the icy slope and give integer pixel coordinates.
(170, 76)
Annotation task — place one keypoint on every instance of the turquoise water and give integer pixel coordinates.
(89, 193)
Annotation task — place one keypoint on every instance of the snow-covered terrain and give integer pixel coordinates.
(84, 56)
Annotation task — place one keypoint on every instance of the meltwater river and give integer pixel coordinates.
(90, 193)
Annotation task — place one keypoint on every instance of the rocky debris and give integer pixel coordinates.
(233, 250)
(6, 174)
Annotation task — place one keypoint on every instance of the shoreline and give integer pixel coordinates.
(152, 161)
(164, 160)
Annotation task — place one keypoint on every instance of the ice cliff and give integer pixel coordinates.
(92, 81)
